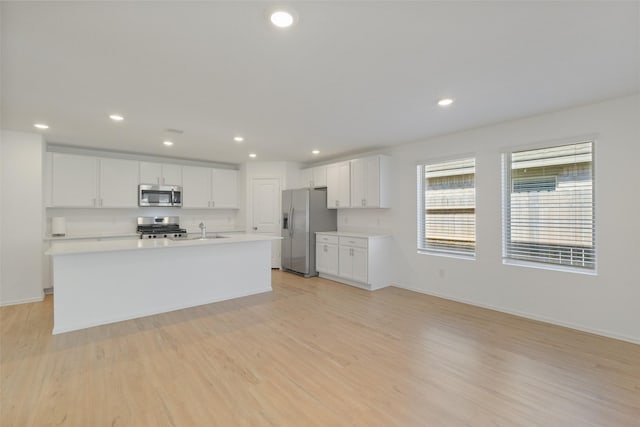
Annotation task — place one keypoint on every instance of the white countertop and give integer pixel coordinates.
(81, 247)
(90, 236)
(354, 234)
(120, 235)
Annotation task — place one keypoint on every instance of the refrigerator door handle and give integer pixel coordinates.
(291, 231)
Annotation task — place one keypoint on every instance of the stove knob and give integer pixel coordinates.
(154, 236)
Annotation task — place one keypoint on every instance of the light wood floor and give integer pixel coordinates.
(314, 352)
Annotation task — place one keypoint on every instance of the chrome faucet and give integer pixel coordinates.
(203, 230)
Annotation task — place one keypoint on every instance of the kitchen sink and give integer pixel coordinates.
(217, 236)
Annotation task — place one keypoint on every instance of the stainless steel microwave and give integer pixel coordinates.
(159, 195)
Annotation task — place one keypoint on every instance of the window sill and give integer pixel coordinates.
(447, 254)
(552, 267)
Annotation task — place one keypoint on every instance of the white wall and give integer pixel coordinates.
(21, 159)
(365, 220)
(82, 222)
(606, 303)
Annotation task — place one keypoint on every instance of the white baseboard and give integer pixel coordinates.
(22, 301)
(526, 315)
(351, 282)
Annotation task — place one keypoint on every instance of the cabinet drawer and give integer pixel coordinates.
(353, 241)
(323, 238)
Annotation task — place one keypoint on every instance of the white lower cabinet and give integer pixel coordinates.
(353, 262)
(360, 260)
(327, 258)
(327, 254)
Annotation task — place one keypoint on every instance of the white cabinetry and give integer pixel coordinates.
(338, 185)
(315, 177)
(196, 187)
(370, 182)
(118, 183)
(362, 260)
(90, 182)
(327, 254)
(319, 175)
(206, 188)
(305, 178)
(74, 181)
(352, 262)
(224, 188)
(161, 174)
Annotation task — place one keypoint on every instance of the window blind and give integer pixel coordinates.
(549, 205)
(447, 202)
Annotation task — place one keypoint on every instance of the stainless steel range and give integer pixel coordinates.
(159, 227)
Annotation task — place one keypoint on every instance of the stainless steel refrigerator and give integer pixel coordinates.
(304, 211)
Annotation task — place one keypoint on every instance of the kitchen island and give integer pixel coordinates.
(102, 282)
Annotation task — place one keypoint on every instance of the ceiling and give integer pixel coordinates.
(348, 77)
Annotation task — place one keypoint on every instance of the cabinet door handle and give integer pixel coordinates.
(213, 204)
(94, 203)
(337, 203)
(101, 202)
(364, 202)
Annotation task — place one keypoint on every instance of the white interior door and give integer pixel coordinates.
(265, 206)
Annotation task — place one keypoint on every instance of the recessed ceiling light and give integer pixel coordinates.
(315, 152)
(116, 117)
(238, 138)
(41, 126)
(281, 18)
(253, 155)
(167, 143)
(445, 102)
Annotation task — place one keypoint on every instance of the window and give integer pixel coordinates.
(549, 206)
(447, 207)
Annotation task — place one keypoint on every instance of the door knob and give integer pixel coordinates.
(255, 228)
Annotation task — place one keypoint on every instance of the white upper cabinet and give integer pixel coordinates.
(171, 174)
(74, 181)
(313, 177)
(370, 182)
(319, 176)
(160, 174)
(90, 182)
(196, 187)
(338, 185)
(305, 178)
(225, 188)
(118, 183)
(206, 188)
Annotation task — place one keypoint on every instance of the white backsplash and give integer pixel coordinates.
(81, 222)
(365, 220)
